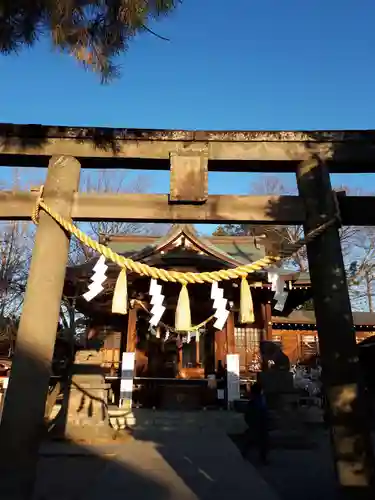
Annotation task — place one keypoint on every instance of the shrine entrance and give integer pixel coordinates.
(170, 354)
(189, 156)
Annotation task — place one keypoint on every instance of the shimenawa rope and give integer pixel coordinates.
(194, 328)
(176, 276)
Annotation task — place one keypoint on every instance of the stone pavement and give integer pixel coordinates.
(297, 472)
(306, 473)
(178, 464)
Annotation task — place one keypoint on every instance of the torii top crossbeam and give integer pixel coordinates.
(263, 151)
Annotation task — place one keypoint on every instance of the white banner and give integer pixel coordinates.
(4, 383)
(233, 377)
(127, 376)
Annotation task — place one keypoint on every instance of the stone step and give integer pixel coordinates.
(89, 431)
(230, 421)
(168, 420)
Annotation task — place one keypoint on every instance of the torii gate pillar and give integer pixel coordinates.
(342, 381)
(22, 420)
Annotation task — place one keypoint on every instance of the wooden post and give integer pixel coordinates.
(209, 351)
(220, 351)
(131, 339)
(179, 357)
(267, 320)
(22, 420)
(197, 349)
(350, 433)
(231, 343)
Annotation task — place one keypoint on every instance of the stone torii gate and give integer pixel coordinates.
(188, 156)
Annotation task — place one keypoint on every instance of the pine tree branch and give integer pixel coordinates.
(94, 31)
(146, 28)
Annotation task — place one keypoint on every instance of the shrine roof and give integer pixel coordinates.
(230, 250)
(183, 249)
(235, 250)
(182, 246)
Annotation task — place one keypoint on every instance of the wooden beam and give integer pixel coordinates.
(104, 135)
(342, 378)
(282, 210)
(156, 208)
(21, 427)
(231, 150)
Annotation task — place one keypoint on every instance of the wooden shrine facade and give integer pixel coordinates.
(293, 328)
(201, 353)
(188, 155)
(298, 337)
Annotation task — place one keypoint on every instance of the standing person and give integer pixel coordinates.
(256, 417)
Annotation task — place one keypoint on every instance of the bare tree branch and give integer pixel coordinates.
(15, 255)
(109, 181)
(358, 243)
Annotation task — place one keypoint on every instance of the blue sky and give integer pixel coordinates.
(228, 65)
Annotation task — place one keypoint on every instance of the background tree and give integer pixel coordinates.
(279, 235)
(111, 181)
(361, 271)
(102, 181)
(16, 242)
(358, 243)
(94, 31)
(15, 254)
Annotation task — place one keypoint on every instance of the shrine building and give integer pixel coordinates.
(161, 353)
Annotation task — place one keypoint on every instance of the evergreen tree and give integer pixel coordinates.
(94, 31)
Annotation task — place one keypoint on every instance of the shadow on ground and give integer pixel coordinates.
(202, 455)
(294, 471)
(70, 471)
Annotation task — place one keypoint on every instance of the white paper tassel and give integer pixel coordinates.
(97, 279)
(220, 303)
(277, 283)
(157, 299)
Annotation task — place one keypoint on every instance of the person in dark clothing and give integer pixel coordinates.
(256, 417)
(221, 376)
(221, 372)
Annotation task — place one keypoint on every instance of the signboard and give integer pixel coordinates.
(127, 376)
(233, 377)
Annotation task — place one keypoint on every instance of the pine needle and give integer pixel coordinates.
(95, 32)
